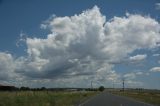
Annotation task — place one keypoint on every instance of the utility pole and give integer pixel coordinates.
(91, 85)
(123, 83)
(113, 84)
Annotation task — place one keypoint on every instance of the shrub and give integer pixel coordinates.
(101, 88)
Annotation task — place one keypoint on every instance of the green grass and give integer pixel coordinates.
(43, 98)
(147, 97)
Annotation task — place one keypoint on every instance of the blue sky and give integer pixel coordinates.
(26, 16)
(23, 43)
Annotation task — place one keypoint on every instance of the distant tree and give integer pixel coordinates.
(24, 88)
(101, 88)
(43, 88)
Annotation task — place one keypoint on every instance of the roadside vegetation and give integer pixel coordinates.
(101, 88)
(147, 96)
(44, 98)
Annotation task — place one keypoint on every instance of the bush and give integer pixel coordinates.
(101, 88)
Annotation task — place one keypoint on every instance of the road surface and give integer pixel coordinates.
(107, 99)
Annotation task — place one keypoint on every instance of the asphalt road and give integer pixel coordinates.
(107, 99)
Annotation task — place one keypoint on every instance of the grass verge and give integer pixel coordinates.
(43, 98)
(147, 97)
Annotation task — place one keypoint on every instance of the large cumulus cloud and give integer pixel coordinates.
(85, 46)
(6, 66)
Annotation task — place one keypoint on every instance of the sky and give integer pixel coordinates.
(71, 43)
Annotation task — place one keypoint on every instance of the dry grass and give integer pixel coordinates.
(43, 98)
(147, 97)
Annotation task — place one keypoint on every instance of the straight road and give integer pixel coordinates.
(107, 99)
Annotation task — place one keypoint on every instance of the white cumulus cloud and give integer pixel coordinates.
(157, 6)
(138, 57)
(5, 65)
(155, 69)
(156, 55)
(82, 47)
